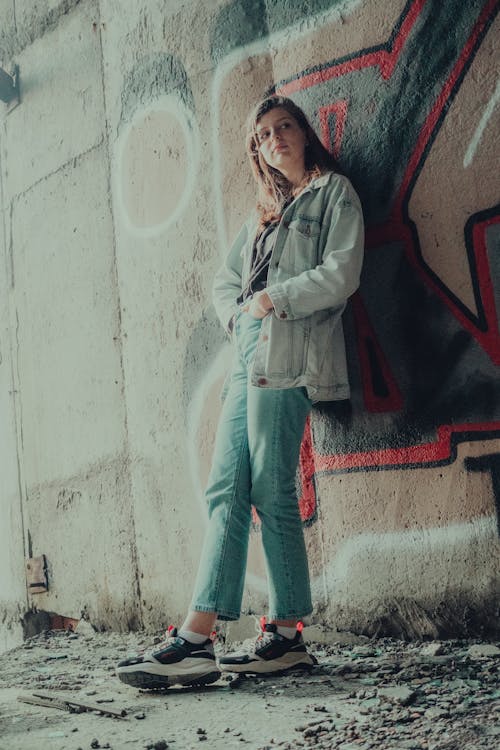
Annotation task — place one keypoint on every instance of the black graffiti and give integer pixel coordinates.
(488, 463)
(152, 77)
(444, 375)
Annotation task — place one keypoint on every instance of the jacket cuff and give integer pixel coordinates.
(279, 298)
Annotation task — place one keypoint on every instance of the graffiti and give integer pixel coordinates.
(394, 560)
(490, 108)
(158, 146)
(414, 389)
(400, 486)
(489, 463)
(422, 333)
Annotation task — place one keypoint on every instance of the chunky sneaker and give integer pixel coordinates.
(175, 661)
(270, 653)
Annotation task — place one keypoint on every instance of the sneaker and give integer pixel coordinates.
(175, 661)
(270, 653)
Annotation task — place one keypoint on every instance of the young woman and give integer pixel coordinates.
(280, 295)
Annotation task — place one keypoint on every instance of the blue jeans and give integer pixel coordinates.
(255, 462)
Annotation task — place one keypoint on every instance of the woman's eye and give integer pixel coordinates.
(263, 135)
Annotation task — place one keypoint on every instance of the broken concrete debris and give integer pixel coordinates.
(381, 695)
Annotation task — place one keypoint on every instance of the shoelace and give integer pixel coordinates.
(263, 636)
(262, 639)
(170, 636)
(249, 646)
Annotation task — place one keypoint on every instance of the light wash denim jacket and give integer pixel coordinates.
(315, 266)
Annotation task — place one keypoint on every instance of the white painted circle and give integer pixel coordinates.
(156, 162)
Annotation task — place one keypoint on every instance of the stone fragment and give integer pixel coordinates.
(435, 648)
(483, 649)
(435, 712)
(364, 651)
(371, 703)
(399, 694)
(492, 731)
(85, 628)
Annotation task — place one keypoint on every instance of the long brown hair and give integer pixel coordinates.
(273, 189)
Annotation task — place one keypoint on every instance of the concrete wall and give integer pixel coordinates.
(123, 181)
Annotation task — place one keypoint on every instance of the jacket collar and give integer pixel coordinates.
(315, 183)
(320, 181)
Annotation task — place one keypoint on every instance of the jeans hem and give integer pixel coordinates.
(222, 614)
(289, 615)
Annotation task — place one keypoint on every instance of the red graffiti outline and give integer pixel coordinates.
(436, 452)
(489, 339)
(374, 402)
(307, 469)
(397, 228)
(480, 250)
(339, 109)
(384, 59)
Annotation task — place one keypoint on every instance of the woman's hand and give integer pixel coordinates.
(259, 306)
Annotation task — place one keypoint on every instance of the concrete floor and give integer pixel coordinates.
(363, 695)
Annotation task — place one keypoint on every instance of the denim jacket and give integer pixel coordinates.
(315, 266)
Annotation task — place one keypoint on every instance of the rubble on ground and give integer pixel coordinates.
(365, 695)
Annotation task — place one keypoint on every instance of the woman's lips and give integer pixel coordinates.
(280, 147)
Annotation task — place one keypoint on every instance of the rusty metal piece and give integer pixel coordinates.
(60, 622)
(36, 575)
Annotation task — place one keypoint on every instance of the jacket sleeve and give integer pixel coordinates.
(333, 281)
(227, 283)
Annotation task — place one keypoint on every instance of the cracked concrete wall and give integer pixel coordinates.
(123, 181)
(66, 348)
(12, 587)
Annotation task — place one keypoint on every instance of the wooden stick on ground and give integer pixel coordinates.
(68, 704)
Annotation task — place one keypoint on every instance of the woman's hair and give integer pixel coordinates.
(274, 190)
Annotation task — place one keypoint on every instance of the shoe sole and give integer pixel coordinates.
(157, 681)
(263, 668)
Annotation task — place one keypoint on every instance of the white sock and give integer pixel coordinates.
(286, 632)
(192, 637)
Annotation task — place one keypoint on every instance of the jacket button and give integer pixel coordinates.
(283, 315)
(265, 338)
(262, 381)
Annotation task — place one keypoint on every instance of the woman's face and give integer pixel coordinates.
(281, 140)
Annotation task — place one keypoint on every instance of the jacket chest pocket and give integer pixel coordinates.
(301, 248)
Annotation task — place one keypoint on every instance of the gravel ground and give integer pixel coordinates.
(382, 694)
